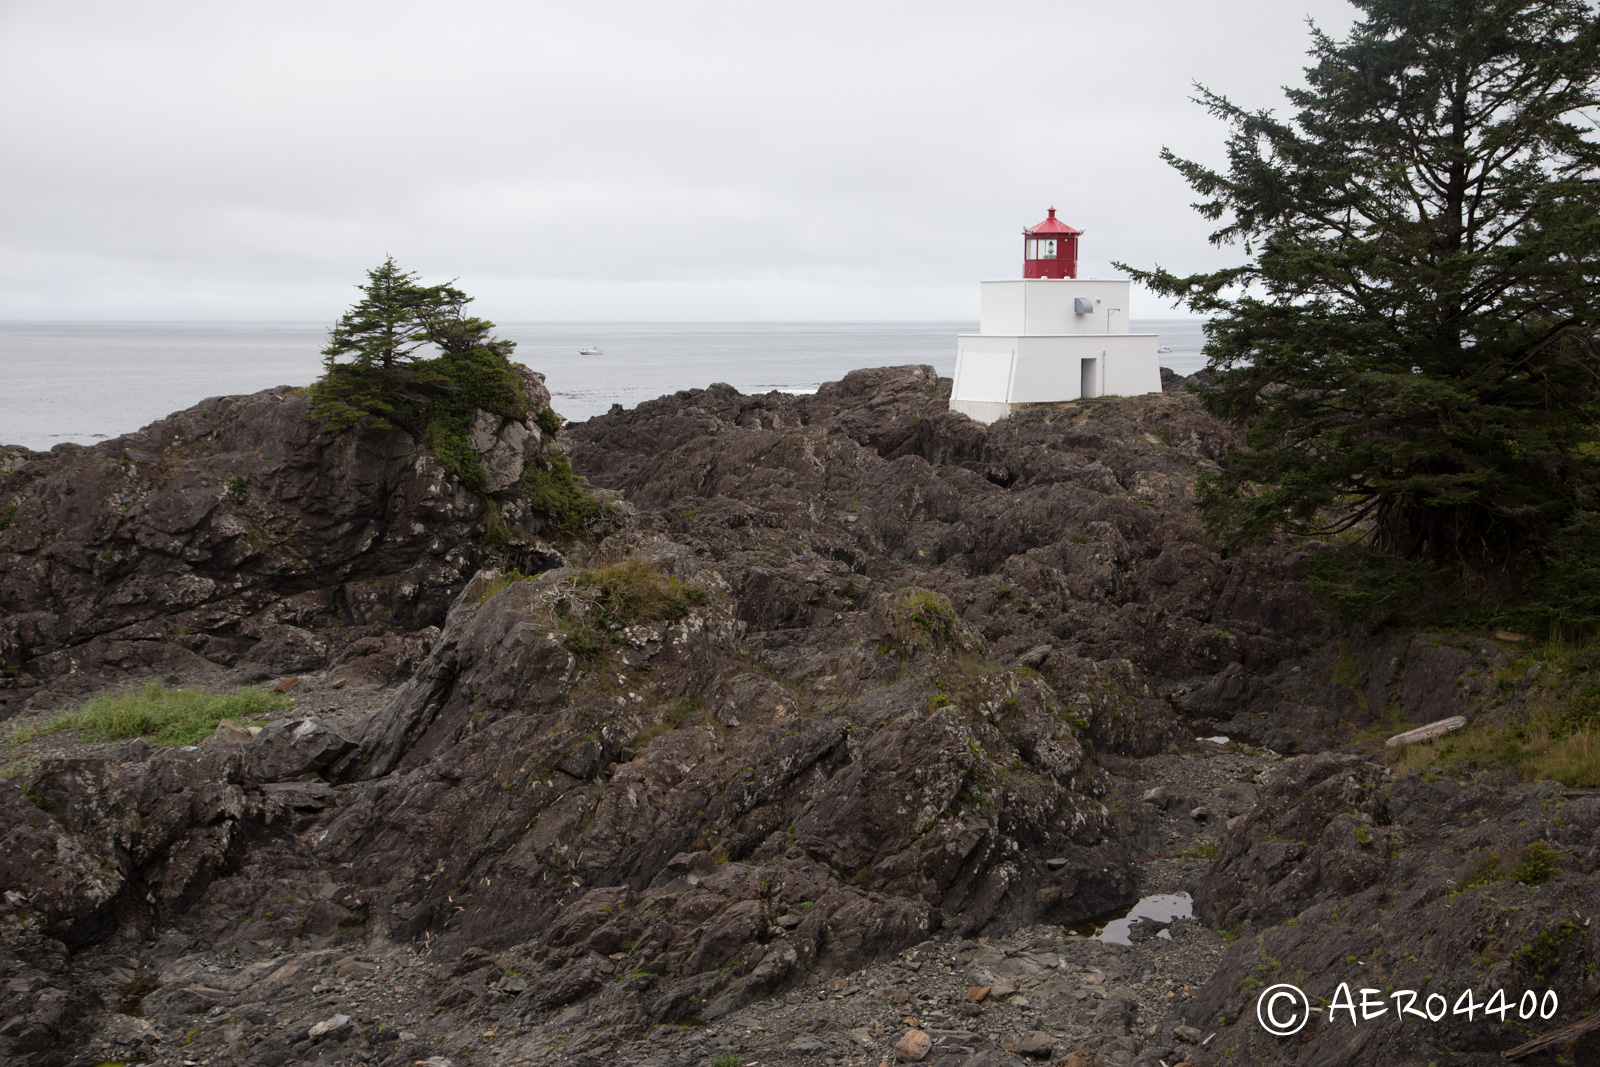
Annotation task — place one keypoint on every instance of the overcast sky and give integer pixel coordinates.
(606, 160)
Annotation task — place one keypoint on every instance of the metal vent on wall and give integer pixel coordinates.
(1082, 305)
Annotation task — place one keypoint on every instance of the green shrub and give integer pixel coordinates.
(555, 495)
(1536, 863)
(921, 618)
(164, 716)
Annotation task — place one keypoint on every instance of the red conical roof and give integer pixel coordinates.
(1052, 225)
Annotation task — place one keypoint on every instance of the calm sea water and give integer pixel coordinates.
(87, 381)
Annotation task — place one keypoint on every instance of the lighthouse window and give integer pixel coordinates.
(1040, 248)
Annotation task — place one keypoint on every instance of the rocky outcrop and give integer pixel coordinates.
(124, 846)
(850, 674)
(1344, 874)
(1065, 526)
(234, 535)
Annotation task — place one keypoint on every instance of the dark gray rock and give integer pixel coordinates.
(291, 748)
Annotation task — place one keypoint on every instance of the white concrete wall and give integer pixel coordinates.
(1000, 308)
(1050, 368)
(1045, 306)
(983, 368)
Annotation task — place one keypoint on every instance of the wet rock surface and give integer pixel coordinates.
(855, 729)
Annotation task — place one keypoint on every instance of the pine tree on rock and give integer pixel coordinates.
(408, 355)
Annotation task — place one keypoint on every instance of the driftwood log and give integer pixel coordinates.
(1426, 733)
(1553, 1038)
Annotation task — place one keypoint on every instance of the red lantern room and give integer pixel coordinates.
(1050, 249)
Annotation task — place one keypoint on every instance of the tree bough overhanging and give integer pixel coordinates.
(1411, 342)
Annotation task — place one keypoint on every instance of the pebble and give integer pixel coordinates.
(913, 1046)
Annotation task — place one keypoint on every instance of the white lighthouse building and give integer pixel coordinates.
(1050, 335)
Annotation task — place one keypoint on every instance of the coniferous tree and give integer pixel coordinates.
(1411, 342)
(385, 328)
(408, 355)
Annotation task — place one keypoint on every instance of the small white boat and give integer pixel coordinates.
(1163, 348)
(592, 350)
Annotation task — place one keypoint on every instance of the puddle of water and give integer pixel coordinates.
(1161, 907)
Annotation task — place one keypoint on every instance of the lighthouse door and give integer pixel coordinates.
(1090, 386)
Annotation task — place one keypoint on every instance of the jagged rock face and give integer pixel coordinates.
(913, 643)
(229, 535)
(1067, 526)
(665, 811)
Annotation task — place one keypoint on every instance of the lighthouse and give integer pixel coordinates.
(1051, 336)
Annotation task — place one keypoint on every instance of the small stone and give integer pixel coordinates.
(912, 1047)
(287, 684)
(862, 1036)
(1160, 796)
(1083, 1057)
(130, 1030)
(1188, 1034)
(807, 1043)
(229, 731)
(1055, 863)
(1037, 1044)
(1002, 988)
(1034, 656)
(332, 1027)
(977, 992)
(1200, 814)
(790, 921)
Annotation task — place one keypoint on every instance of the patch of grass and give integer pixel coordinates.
(1543, 953)
(495, 530)
(921, 618)
(549, 422)
(1556, 736)
(162, 716)
(727, 1059)
(506, 580)
(1203, 851)
(634, 593)
(1533, 750)
(1533, 864)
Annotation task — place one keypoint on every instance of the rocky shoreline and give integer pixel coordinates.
(842, 724)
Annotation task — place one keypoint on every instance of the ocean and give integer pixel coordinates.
(86, 381)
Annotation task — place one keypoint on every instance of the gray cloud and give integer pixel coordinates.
(604, 160)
